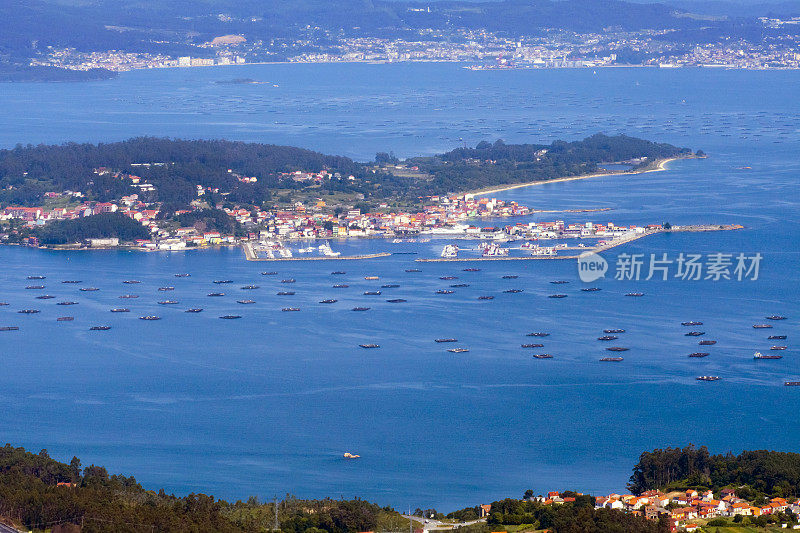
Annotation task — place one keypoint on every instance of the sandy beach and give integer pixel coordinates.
(657, 166)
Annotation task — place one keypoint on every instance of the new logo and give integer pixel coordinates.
(591, 266)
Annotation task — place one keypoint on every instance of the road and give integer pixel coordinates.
(7, 529)
(429, 524)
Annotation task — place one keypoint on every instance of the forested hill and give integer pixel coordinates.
(176, 168)
(490, 164)
(761, 472)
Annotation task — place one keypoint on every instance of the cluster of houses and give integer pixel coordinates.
(683, 508)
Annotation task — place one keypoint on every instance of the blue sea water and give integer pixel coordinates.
(267, 404)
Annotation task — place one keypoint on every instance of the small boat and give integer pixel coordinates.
(329, 301)
(776, 337)
(338, 272)
(36, 277)
(759, 355)
(397, 300)
(67, 303)
(792, 383)
(131, 281)
(3, 304)
(777, 347)
(776, 317)
(166, 289)
(471, 270)
(559, 282)
(485, 297)
(72, 281)
(707, 343)
(510, 276)
(269, 273)
(35, 287)
(611, 359)
(613, 331)
(557, 296)
(449, 339)
(28, 311)
(216, 294)
(182, 275)
(692, 323)
(370, 278)
(150, 317)
(250, 287)
(99, 328)
(340, 286)
(65, 319)
(361, 308)
(458, 350)
(372, 293)
(221, 281)
(390, 286)
(513, 291)
(370, 345)
(543, 356)
(167, 302)
(288, 280)
(285, 293)
(444, 291)
(762, 326)
(447, 278)
(413, 270)
(88, 289)
(287, 309)
(230, 317)
(245, 301)
(120, 310)
(694, 333)
(635, 294)
(617, 349)
(9, 328)
(707, 378)
(698, 354)
(348, 455)
(538, 334)
(532, 345)
(591, 289)
(129, 296)
(45, 297)
(195, 310)
(608, 338)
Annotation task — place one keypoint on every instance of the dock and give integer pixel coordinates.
(698, 228)
(251, 255)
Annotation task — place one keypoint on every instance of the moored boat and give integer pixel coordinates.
(361, 308)
(449, 339)
(182, 275)
(413, 270)
(776, 337)
(150, 317)
(250, 287)
(131, 281)
(65, 319)
(88, 289)
(559, 282)
(288, 280)
(328, 301)
(614, 330)
(195, 310)
(608, 338)
(72, 281)
(778, 347)
(167, 302)
(485, 297)
(340, 286)
(245, 301)
(371, 345)
(120, 310)
(269, 273)
(36, 277)
(513, 291)
(45, 297)
(35, 287)
(695, 333)
(707, 343)
(542, 356)
(99, 328)
(759, 355)
(776, 317)
(635, 294)
(591, 289)
(762, 326)
(397, 300)
(222, 281)
(707, 378)
(444, 291)
(458, 350)
(129, 296)
(230, 317)
(692, 323)
(792, 383)
(9, 328)
(289, 309)
(532, 345)
(612, 359)
(338, 272)
(371, 278)
(538, 334)
(557, 296)
(471, 270)
(164, 289)
(285, 293)
(510, 276)
(390, 286)
(28, 311)
(699, 354)
(617, 349)
(67, 303)
(372, 293)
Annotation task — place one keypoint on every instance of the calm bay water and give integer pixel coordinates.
(267, 404)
